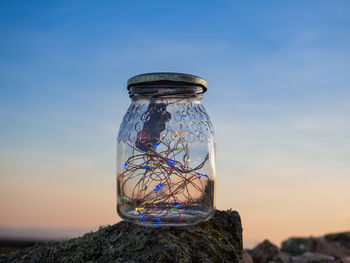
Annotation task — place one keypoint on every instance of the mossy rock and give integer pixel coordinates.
(216, 240)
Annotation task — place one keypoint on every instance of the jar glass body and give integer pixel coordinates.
(166, 161)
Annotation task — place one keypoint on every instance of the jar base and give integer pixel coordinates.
(178, 218)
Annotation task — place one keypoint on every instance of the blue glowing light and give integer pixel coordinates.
(178, 205)
(199, 175)
(142, 216)
(158, 218)
(147, 166)
(156, 188)
(156, 144)
(170, 162)
(206, 175)
(125, 165)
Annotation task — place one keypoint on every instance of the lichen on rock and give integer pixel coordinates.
(216, 240)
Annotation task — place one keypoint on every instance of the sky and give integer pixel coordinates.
(278, 97)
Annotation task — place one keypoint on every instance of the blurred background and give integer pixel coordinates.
(278, 96)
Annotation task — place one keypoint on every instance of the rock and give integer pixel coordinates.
(246, 258)
(335, 245)
(331, 248)
(342, 238)
(295, 246)
(267, 252)
(217, 240)
(343, 260)
(309, 257)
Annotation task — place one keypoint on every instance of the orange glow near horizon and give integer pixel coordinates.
(273, 206)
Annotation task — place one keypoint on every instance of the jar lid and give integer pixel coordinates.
(167, 77)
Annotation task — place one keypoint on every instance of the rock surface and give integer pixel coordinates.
(342, 238)
(246, 258)
(329, 248)
(295, 246)
(332, 248)
(266, 252)
(309, 257)
(343, 260)
(217, 240)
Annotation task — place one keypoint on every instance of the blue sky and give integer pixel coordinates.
(279, 98)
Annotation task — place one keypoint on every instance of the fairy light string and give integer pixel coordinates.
(161, 180)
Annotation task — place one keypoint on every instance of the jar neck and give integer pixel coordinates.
(166, 91)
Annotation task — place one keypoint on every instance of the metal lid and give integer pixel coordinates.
(167, 77)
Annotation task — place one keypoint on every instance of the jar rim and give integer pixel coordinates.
(167, 78)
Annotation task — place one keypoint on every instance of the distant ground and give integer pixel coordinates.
(10, 245)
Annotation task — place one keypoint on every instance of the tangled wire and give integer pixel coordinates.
(157, 178)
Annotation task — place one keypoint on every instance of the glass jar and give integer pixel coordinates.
(166, 152)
